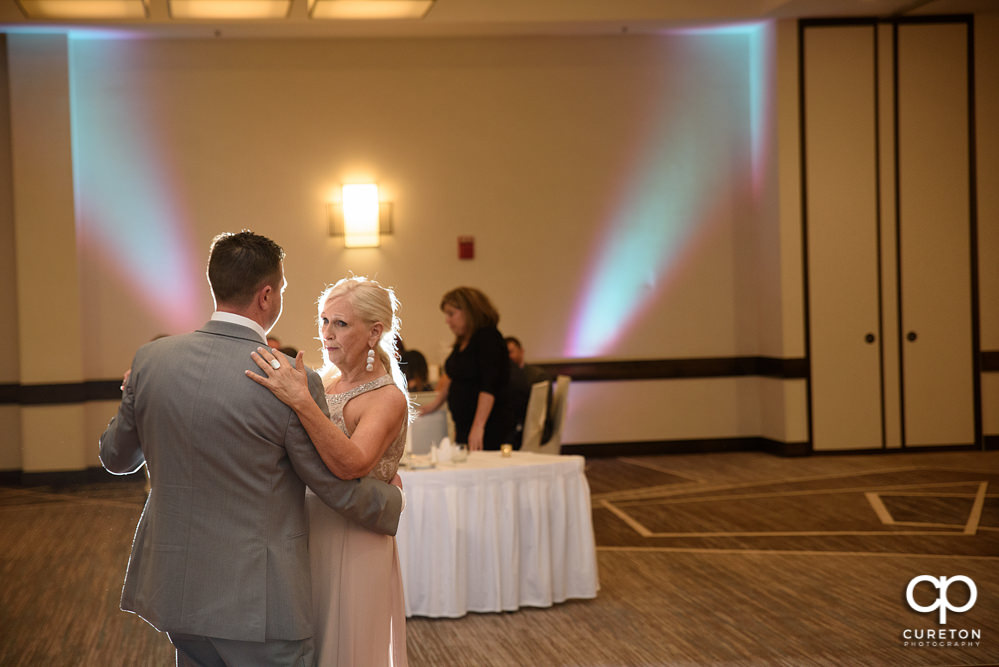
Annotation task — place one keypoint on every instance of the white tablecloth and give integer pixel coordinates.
(494, 534)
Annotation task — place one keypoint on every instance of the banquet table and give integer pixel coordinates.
(496, 533)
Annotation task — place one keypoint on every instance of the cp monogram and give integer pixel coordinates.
(942, 602)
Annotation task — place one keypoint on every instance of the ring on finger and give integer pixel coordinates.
(275, 364)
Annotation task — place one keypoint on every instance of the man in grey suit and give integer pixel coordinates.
(220, 556)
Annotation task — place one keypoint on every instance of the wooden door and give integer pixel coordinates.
(935, 234)
(888, 208)
(841, 212)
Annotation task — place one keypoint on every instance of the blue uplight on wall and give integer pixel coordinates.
(702, 147)
(128, 208)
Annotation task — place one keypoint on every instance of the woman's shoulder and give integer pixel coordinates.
(488, 334)
(388, 394)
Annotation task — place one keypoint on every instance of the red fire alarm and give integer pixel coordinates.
(466, 247)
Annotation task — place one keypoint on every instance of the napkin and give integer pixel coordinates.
(444, 451)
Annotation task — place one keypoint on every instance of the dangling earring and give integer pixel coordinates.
(370, 366)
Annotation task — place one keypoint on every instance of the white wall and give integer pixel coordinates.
(610, 174)
(642, 190)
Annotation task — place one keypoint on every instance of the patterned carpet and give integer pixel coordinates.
(720, 559)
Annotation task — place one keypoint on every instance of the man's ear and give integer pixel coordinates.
(264, 296)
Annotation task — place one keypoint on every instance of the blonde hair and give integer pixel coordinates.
(373, 304)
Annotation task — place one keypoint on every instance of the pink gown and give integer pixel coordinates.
(357, 598)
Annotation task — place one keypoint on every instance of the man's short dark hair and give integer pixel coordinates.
(241, 263)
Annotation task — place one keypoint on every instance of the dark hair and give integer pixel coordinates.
(479, 310)
(414, 365)
(240, 264)
(514, 340)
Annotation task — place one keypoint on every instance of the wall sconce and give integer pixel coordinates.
(359, 217)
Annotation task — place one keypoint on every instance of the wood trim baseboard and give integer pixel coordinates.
(60, 393)
(590, 450)
(579, 371)
(695, 446)
(90, 475)
(671, 369)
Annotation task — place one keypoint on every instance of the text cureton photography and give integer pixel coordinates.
(935, 592)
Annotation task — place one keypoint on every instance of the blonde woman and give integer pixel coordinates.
(356, 580)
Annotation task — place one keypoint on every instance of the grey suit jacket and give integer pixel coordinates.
(221, 548)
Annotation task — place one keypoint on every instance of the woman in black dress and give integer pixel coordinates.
(477, 371)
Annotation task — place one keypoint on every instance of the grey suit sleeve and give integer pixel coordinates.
(369, 502)
(119, 444)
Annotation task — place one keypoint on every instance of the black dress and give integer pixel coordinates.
(483, 366)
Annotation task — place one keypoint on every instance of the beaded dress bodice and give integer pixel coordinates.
(386, 467)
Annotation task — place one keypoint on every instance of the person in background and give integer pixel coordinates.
(477, 372)
(522, 377)
(414, 365)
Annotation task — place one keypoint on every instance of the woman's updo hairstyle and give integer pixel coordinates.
(373, 304)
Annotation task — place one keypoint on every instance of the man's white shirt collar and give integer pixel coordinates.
(233, 318)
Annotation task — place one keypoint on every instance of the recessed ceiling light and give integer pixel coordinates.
(369, 9)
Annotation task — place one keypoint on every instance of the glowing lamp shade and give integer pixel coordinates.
(359, 217)
(83, 9)
(369, 9)
(229, 9)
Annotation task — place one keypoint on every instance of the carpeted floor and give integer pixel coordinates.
(718, 559)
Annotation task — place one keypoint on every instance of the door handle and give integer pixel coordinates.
(911, 336)
(869, 338)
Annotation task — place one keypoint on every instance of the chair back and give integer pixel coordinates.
(534, 421)
(559, 400)
(426, 431)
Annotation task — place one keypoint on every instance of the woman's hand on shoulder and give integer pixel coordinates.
(289, 384)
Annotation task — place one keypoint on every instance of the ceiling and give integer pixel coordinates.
(507, 17)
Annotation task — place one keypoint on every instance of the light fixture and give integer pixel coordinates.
(359, 217)
(83, 9)
(369, 9)
(229, 9)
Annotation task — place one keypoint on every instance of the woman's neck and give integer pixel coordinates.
(353, 377)
(464, 340)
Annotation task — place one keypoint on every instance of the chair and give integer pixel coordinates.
(427, 430)
(559, 400)
(534, 421)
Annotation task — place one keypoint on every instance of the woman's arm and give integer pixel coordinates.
(346, 457)
(477, 434)
(442, 385)
(493, 362)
